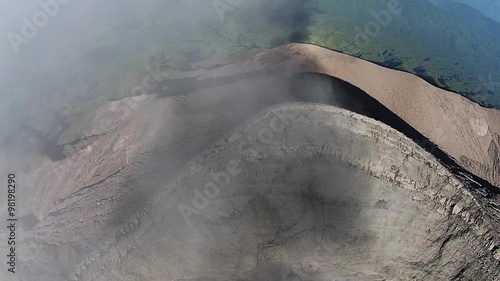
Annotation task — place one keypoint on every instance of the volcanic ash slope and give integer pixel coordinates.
(466, 131)
(298, 192)
(463, 129)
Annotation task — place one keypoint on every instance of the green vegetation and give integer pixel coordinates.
(456, 47)
(451, 48)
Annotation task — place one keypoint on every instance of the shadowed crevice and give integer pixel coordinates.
(348, 96)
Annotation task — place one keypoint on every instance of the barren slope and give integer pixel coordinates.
(309, 191)
(465, 130)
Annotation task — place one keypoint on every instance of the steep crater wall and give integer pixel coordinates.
(109, 209)
(327, 194)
